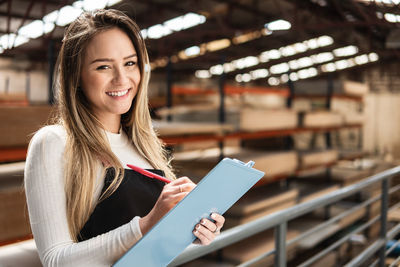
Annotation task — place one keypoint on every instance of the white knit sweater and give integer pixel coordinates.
(44, 185)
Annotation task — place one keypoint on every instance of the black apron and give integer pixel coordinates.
(135, 196)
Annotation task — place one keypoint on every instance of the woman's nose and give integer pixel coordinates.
(120, 76)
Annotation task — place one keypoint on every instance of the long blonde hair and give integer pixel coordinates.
(86, 145)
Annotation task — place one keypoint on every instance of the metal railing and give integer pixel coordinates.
(279, 222)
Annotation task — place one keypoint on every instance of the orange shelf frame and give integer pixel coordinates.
(230, 90)
(173, 140)
(13, 153)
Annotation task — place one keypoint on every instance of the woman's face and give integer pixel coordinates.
(110, 74)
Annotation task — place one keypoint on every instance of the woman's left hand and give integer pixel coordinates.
(206, 230)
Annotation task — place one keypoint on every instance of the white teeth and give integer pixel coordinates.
(119, 93)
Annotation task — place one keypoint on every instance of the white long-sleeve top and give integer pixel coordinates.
(44, 186)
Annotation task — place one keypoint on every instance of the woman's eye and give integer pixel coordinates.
(102, 67)
(130, 63)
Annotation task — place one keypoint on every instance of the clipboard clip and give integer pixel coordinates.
(249, 164)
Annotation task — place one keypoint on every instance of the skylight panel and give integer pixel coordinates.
(157, 31)
(67, 15)
(192, 51)
(90, 5)
(346, 51)
(191, 19)
(279, 68)
(278, 25)
(202, 74)
(112, 2)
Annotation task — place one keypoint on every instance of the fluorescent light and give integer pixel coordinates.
(312, 43)
(307, 73)
(260, 73)
(51, 17)
(330, 67)
(304, 62)
(300, 47)
(284, 78)
(113, 2)
(322, 57)
(238, 78)
(157, 31)
(273, 81)
(278, 25)
(67, 15)
(287, 51)
(192, 51)
(274, 54)
(390, 17)
(6, 40)
(173, 25)
(279, 68)
(218, 44)
(217, 69)
(191, 19)
(202, 74)
(361, 59)
(324, 40)
(346, 51)
(341, 64)
(32, 30)
(245, 62)
(373, 57)
(293, 76)
(293, 64)
(229, 67)
(246, 77)
(90, 5)
(20, 40)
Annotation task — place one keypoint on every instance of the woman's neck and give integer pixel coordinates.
(112, 124)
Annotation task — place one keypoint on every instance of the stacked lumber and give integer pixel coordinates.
(14, 221)
(317, 157)
(20, 123)
(266, 101)
(260, 202)
(165, 128)
(309, 189)
(198, 163)
(266, 119)
(350, 88)
(311, 241)
(321, 118)
(257, 245)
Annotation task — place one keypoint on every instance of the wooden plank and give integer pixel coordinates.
(20, 123)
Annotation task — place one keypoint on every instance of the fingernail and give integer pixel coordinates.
(195, 232)
(213, 216)
(203, 222)
(198, 226)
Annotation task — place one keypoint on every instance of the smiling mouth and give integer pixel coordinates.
(118, 93)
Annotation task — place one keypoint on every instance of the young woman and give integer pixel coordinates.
(85, 209)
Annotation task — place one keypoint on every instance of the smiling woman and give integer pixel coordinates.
(85, 209)
(110, 76)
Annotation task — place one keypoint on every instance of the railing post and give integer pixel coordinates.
(280, 244)
(384, 209)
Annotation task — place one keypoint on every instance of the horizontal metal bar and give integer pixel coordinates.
(241, 232)
(395, 263)
(374, 247)
(339, 242)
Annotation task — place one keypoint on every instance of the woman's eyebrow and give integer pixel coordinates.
(109, 59)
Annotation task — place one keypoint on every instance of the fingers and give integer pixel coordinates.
(219, 220)
(204, 234)
(206, 230)
(181, 185)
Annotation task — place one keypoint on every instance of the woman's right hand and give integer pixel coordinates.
(171, 194)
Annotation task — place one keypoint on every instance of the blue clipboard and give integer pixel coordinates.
(225, 184)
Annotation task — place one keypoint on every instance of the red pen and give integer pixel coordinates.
(148, 174)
